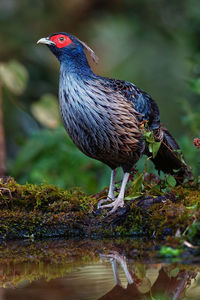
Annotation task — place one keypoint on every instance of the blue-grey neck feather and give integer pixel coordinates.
(73, 60)
(81, 117)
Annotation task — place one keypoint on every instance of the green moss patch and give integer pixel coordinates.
(40, 211)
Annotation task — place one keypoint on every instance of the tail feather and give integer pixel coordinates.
(169, 159)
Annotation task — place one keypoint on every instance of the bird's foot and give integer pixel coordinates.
(99, 205)
(118, 202)
(114, 255)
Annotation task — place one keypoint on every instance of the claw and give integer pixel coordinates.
(119, 202)
(103, 201)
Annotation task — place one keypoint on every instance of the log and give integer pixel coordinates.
(41, 211)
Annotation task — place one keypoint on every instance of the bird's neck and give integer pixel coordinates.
(74, 81)
(76, 65)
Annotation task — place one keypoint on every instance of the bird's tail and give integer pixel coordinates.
(169, 158)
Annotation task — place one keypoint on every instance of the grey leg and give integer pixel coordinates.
(111, 195)
(114, 258)
(119, 201)
(124, 266)
(115, 271)
(112, 185)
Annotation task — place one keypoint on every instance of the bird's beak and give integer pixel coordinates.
(46, 41)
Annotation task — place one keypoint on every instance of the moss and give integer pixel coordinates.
(38, 211)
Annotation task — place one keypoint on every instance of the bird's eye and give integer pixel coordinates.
(62, 39)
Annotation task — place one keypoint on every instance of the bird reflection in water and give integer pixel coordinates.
(146, 281)
(69, 272)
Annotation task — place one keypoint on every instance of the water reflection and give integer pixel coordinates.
(147, 280)
(86, 269)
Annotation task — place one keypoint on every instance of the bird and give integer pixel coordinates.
(103, 117)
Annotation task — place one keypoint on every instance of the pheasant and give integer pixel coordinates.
(103, 117)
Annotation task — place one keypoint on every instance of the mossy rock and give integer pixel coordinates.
(40, 211)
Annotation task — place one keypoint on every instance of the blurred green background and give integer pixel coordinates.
(155, 44)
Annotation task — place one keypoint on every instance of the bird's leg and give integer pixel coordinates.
(111, 195)
(119, 201)
(112, 185)
(114, 258)
(115, 271)
(123, 263)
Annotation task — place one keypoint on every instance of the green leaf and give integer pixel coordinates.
(150, 148)
(148, 136)
(195, 85)
(192, 207)
(152, 144)
(174, 272)
(138, 183)
(169, 252)
(179, 155)
(171, 180)
(14, 76)
(155, 148)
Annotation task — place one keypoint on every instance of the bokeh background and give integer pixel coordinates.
(155, 44)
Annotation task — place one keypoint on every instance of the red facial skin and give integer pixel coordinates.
(61, 40)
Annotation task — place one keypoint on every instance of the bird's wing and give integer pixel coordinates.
(167, 158)
(143, 103)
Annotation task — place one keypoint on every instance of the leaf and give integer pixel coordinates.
(138, 183)
(155, 148)
(179, 155)
(195, 85)
(171, 180)
(46, 111)
(150, 148)
(152, 144)
(174, 272)
(148, 136)
(14, 76)
(192, 207)
(169, 252)
(133, 197)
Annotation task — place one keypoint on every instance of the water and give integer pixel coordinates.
(90, 270)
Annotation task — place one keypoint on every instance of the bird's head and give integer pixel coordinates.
(67, 47)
